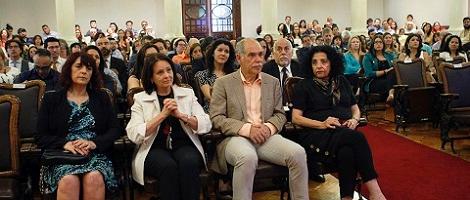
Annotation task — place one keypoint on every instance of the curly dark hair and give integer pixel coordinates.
(407, 50)
(335, 58)
(229, 65)
(147, 71)
(447, 42)
(139, 64)
(95, 83)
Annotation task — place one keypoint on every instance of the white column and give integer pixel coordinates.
(358, 17)
(174, 18)
(458, 9)
(65, 16)
(269, 18)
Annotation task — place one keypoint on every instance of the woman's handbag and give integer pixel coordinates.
(61, 157)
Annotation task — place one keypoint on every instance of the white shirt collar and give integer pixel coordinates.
(108, 62)
(11, 63)
(289, 72)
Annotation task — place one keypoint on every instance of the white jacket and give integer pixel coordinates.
(145, 108)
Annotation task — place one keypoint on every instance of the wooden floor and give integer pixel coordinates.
(422, 133)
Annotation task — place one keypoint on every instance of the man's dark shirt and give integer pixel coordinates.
(51, 80)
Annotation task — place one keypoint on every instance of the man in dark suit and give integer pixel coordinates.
(15, 49)
(42, 71)
(283, 66)
(289, 26)
(116, 65)
(302, 52)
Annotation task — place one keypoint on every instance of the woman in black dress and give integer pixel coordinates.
(326, 107)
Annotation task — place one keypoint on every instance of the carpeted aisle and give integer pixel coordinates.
(411, 171)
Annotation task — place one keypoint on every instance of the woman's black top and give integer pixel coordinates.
(173, 125)
(318, 106)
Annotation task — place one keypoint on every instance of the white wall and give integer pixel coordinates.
(375, 9)
(309, 10)
(434, 10)
(250, 16)
(315, 9)
(31, 14)
(119, 11)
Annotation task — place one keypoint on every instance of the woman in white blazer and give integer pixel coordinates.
(165, 121)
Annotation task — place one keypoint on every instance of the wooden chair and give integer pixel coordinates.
(415, 100)
(9, 158)
(455, 61)
(187, 76)
(455, 101)
(30, 94)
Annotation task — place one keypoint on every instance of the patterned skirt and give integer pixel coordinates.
(51, 175)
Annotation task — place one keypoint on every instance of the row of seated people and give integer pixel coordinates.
(47, 65)
(246, 106)
(227, 46)
(274, 74)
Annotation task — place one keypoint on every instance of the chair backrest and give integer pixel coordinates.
(197, 90)
(290, 83)
(9, 156)
(187, 74)
(131, 93)
(412, 73)
(456, 79)
(30, 93)
(458, 60)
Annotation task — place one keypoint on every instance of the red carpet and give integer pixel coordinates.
(408, 170)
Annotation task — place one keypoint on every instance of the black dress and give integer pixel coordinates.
(383, 84)
(341, 149)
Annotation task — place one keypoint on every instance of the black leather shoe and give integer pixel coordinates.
(317, 178)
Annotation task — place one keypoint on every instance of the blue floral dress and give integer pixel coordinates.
(81, 123)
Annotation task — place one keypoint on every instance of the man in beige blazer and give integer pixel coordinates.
(246, 106)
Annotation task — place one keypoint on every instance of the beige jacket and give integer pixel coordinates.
(228, 109)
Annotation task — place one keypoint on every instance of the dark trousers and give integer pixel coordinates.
(353, 155)
(177, 172)
(383, 84)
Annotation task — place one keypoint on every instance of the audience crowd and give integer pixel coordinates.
(241, 86)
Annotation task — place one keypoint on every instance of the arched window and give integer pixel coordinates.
(211, 17)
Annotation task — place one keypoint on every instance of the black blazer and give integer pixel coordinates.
(272, 69)
(54, 115)
(120, 66)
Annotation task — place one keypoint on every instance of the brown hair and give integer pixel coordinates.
(96, 81)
